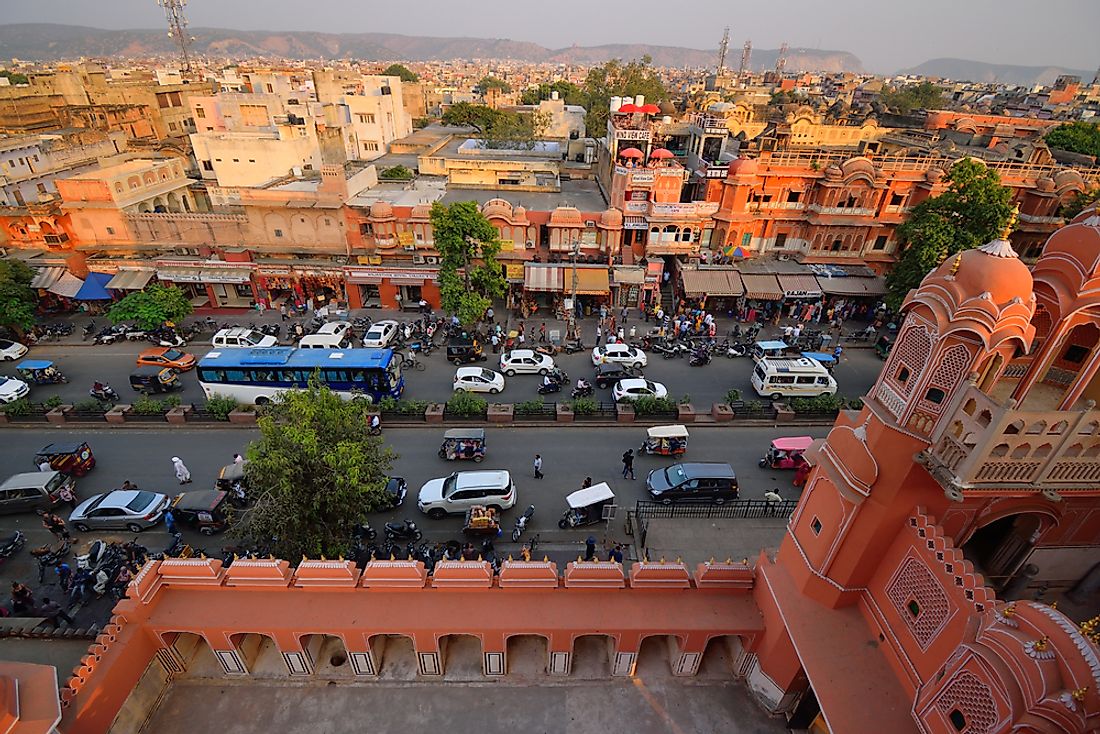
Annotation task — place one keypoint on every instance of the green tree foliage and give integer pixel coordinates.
(903, 100)
(17, 298)
(399, 173)
(469, 274)
(15, 77)
(1076, 137)
(972, 211)
(568, 92)
(781, 98)
(1078, 202)
(152, 307)
(401, 71)
(492, 82)
(498, 128)
(616, 79)
(316, 471)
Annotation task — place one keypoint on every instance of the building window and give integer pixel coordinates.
(41, 188)
(957, 720)
(236, 160)
(370, 147)
(172, 126)
(913, 608)
(935, 395)
(1075, 354)
(110, 230)
(746, 239)
(902, 375)
(896, 199)
(366, 119)
(270, 89)
(794, 196)
(366, 228)
(781, 240)
(207, 166)
(251, 160)
(837, 244)
(815, 525)
(200, 113)
(880, 242)
(278, 233)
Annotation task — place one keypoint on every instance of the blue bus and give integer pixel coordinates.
(259, 375)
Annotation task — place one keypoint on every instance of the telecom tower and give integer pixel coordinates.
(1096, 77)
(723, 49)
(781, 60)
(746, 54)
(177, 28)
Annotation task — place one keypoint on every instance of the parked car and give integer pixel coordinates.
(634, 388)
(10, 350)
(167, 357)
(122, 509)
(478, 379)
(526, 362)
(619, 354)
(12, 389)
(37, 490)
(608, 375)
(380, 334)
(712, 482)
(464, 489)
(242, 338)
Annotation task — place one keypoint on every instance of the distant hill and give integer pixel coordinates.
(49, 42)
(979, 71)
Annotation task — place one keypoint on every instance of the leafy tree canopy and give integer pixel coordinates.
(498, 128)
(972, 211)
(492, 82)
(401, 71)
(1078, 202)
(1076, 137)
(15, 77)
(152, 307)
(401, 173)
(469, 274)
(903, 100)
(568, 92)
(316, 470)
(616, 79)
(17, 298)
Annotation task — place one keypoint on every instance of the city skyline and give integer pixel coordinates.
(992, 32)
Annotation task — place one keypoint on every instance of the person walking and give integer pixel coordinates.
(773, 498)
(538, 466)
(590, 548)
(542, 333)
(282, 312)
(64, 575)
(489, 315)
(599, 335)
(182, 473)
(22, 598)
(68, 496)
(615, 554)
(623, 314)
(53, 612)
(587, 483)
(495, 341)
(55, 525)
(170, 523)
(628, 463)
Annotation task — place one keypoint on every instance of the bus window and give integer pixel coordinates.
(238, 376)
(263, 376)
(337, 376)
(761, 374)
(358, 376)
(805, 380)
(209, 375)
(783, 380)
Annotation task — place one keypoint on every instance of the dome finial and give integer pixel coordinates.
(1010, 225)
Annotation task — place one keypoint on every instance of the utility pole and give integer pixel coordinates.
(781, 60)
(177, 28)
(723, 49)
(575, 250)
(746, 55)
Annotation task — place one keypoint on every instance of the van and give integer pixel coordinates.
(700, 481)
(324, 341)
(464, 489)
(32, 491)
(802, 377)
(243, 339)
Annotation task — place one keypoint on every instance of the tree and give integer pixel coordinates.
(498, 128)
(152, 307)
(317, 471)
(1078, 202)
(904, 100)
(1076, 137)
(400, 173)
(469, 275)
(401, 71)
(972, 211)
(492, 82)
(616, 79)
(17, 298)
(15, 77)
(568, 92)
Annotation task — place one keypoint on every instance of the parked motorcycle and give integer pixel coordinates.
(87, 331)
(573, 346)
(108, 335)
(700, 358)
(521, 522)
(12, 545)
(399, 532)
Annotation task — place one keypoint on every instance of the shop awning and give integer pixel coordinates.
(761, 287)
(67, 286)
(226, 275)
(799, 286)
(94, 288)
(543, 278)
(626, 275)
(852, 286)
(46, 277)
(706, 282)
(130, 280)
(180, 275)
(591, 282)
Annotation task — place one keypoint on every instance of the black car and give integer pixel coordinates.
(396, 489)
(609, 374)
(712, 482)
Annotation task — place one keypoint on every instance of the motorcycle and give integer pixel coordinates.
(573, 346)
(732, 351)
(13, 544)
(87, 331)
(398, 531)
(364, 530)
(104, 392)
(700, 358)
(108, 335)
(521, 522)
(549, 387)
(134, 334)
(583, 392)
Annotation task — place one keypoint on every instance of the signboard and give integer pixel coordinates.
(398, 273)
(405, 238)
(689, 209)
(514, 271)
(635, 223)
(802, 294)
(631, 134)
(639, 207)
(642, 177)
(507, 245)
(588, 237)
(717, 172)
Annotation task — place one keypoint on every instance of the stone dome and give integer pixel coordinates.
(421, 211)
(744, 167)
(934, 174)
(519, 213)
(566, 216)
(1069, 267)
(833, 172)
(992, 268)
(1045, 184)
(612, 218)
(497, 208)
(381, 210)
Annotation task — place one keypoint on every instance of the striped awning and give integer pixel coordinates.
(706, 282)
(852, 286)
(67, 286)
(799, 286)
(130, 280)
(180, 275)
(543, 278)
(225, 275)
(761, 287)
(592, 282)
(46, 277)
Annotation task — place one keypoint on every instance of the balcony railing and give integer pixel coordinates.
(851, 211)
(1032, 219)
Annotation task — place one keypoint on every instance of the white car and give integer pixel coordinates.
(478, 379)
(525, 361)
(337, 329)
(10, 350)
(380, 334)
(12, 389)
(633, 389)
(619, 354)
(464, 489)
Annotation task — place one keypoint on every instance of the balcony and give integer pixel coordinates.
(848, 211)
(1032, 219)
(56, 239)
(989, 445)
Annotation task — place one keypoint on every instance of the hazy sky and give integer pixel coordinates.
(885, 34)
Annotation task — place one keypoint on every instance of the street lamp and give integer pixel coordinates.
(575, 251)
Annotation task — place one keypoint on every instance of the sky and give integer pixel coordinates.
(885, 34)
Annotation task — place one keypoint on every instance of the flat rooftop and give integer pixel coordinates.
(119, 169)
(582, 193)
(421, 190)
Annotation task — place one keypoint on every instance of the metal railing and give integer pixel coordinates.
(736, 510)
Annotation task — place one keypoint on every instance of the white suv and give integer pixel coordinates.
(464, 489)
(619, 353)
(525, 361)
(244, 339)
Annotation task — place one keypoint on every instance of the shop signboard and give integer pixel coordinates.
(514, 271)
(621, 134)
(405, 238)
(588, 238)
(642, 177)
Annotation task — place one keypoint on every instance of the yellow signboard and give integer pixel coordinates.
(405, 238)
(514, 271)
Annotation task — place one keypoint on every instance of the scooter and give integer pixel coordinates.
(364, 530)
(87, 331)
(105, 392)
(732, 351)
(13, 544)
(397, 531)
(549, 387)
(521, 522)
(699, 359)
(108, 335)
(583, 392)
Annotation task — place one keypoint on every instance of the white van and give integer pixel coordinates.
(333, 335)
(243, 339)
(796, 378)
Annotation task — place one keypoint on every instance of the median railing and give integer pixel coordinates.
(748, 509)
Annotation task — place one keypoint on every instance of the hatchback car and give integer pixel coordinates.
(619, 354)
(712, 482)
(167, 357)
(478, 379)
(122, 509)
(12, 389)
(10, 350)
(526, 362)
(634, 388)
(380, 334)
(464, 489)
(609, 374)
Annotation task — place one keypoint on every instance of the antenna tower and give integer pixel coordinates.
(723, 49)
(1096, 78)
(746, 54)
(781, 60)
(177, 28)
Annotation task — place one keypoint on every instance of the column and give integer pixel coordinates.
(560, 652)
(364, 662)
(624, 656)
(429, 658)
(687, 656)
(494, 654)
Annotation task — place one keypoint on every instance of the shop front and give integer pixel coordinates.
(392, 287)
(188, 278)
(277, 286)
(801, 296)
(629, 287)
(130, 279)
(321, 286)
(593, 288)
(715, 289)
(542, 288)
(213, 283)
(762, 297)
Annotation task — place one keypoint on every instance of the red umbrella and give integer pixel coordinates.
(631, 153)
(627, 109)
(662, 153)
(651, 109)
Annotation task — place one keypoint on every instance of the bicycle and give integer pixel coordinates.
(411, 362)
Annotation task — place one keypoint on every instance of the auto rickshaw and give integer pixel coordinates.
(40, 372)
(206, 510)
(481, 520)
(786, 452)
(231, 479)
(768, 350)
(588, 506)
(665, 441)
(463, 350)
(883, 346)
(827, 360)
(463, 443)
(152, 379)
(74, 459)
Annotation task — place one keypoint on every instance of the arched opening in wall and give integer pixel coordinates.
(192, 653)
(1073, 356)
(719, 656)
(592, 656)
(394, 657)
(174, 205)
(260, 655)
(329, 656)
(989, 371)
(461, 657)
(144, 208)
(186, 204)
(527, 655)
(656, 656)
(160, 206)
(999, 548)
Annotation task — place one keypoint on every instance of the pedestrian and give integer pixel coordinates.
(64, 575)
(128, 485)
(53, 612)
(542, 333)
(55, 525)
(615, 555)
(628, 463)
(520, 338)
(590, 548)
(82, 583)
(603, 311)
(599, 335)
(773, 498)
(538, 466)
(282, 312)
(182, 474)
(587, 483)
(238, 459)
(621, 334)
(623, 314)
(170, 523)
(22, 598)
(67, 495)
(495, 341)
(489, 315)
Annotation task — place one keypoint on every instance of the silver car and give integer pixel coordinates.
(122, 509)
